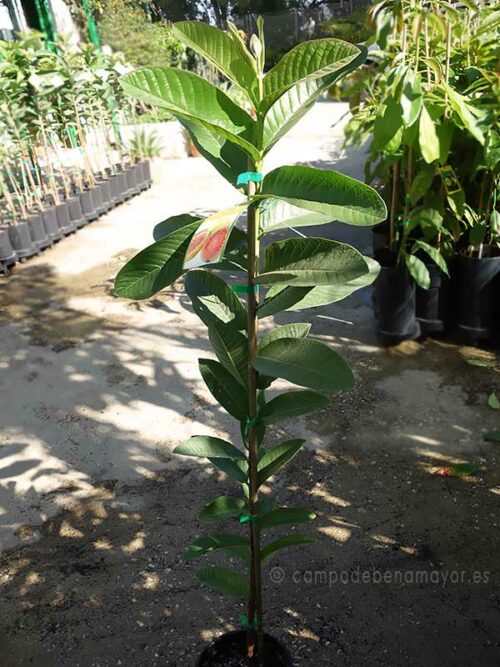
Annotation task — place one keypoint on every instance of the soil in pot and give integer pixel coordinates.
(8, 256)
(50, 223)
(479, 300)
(20, 238)
(37, 231)
(229, 650)
(431, 304)
(75, 212)
(395, 300)
(63, 220)
(88, 207)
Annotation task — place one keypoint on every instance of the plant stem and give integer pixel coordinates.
(254, 636)
(394, 203)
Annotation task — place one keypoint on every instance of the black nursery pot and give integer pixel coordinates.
(75, 212)
(106, 195)
(229, 650)
(37, 231)
(88, 207)
(20, 239)
(63, 220)
(146, 170)
(141, 176)
(395, 300)
(50, 223)
(380, 237)
(116, 189)
(432, 304)
(97, 198)
(131, 176)
(8, 256)
(479, 296)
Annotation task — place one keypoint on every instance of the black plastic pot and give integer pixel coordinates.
(106, 195)
(380, 237)
(116, 189)
(395, 300)
(20, 238)
(88, 206)
(131, 176)
(230, 649)
(63, 220)
(37, 231)
(479, 296)
(75, 212)
(124, 187)
(146, 169)
(8, 256)
(432, 304)
(142, 180)
(50, 223)
(97, 198)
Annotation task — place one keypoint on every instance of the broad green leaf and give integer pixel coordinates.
(292, 404)
(155, 267)
(229, 159)
(231, 348)
(224, 541)
(387, 127)
(305, 362)
(282, 543)
(411, 99)
(466, 112)
(222, 508)
(427, 137)
(492, 436)
(192, 98)
(224, 580)
(282, 298)
(237, 470)
(207, 446)
(421, 183)
(220, 50)
(286, 515)
(332, 194)
(418, 271)
(307, 262)
(445, 131)
(277, 457)
(224, 387)
(325, 294)
(295, 330)
(174, 223)
(278, 214)
(213, 300)
(434, 254)
(493, 401)
(307, 61)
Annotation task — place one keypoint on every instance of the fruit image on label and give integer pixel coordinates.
(209, 242)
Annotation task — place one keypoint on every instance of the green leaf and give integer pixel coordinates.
(228, 158)
(224, 387)
(222, 508)
(493, 401)
(277, 457)
(224, 541)
(305, 362)
(282, 298)
(213, 300)
(411, 99)
(492, 436)
(155, 267)
(224, 580)
(332, 194)
(387, 128)
(286, 515)
(434, 254)
(445, 132)
(466, 112)
(237, 470)
(231, 348)
(282, 543)
(207, 446)
(295, 330)
(464, 469)
(427, 137)
(292, 404)
(174, 223)
(307, 262)
(307, 61)
(221, 51)
(194, 99)
(278, 214)
(421, 183)
(418, 271)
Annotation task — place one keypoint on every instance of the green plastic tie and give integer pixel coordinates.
(242, 288)
(247, 176)
(250, 421)
(250, 626)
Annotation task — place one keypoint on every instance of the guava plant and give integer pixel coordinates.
(293, 274)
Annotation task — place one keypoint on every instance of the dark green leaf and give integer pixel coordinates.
(286, 515)
(237, 470)
(295, 330)
(282, 543)
(492, 436)
(172, 224)
(224, 541)
(213, 300)
(281, 298)
(277, 457)
(224, 387)
(221, 508)
(292, 404)
(434, 254)
(224, 580)
(231, 348)
(207, 446)
(418, 271)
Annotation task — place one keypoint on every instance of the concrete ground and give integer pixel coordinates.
(95, 510)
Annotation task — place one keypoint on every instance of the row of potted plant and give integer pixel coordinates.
(38, 229)
(429, 105)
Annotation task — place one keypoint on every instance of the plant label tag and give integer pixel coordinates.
(450, 180)
(209, 242)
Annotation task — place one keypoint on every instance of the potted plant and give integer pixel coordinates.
(295, 273)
